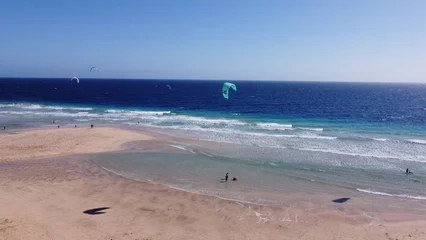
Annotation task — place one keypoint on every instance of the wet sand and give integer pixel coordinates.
(57, 198)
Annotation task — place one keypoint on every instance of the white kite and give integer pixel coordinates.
(75, 78)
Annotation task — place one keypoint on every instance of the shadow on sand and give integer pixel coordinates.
(341, 200)
(96, 211)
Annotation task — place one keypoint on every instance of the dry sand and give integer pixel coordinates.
(60, 142)
(46, 199)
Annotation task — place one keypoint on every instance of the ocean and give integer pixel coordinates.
(350, 139)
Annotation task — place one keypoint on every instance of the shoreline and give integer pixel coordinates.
(145, 140)
(65, 182)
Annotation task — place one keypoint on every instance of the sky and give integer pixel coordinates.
(300, 40)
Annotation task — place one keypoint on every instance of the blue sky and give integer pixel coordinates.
(334, 40)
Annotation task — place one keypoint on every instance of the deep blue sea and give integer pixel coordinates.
(358, 136)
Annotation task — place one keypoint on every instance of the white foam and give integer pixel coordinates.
(135, 113)
(418, 141)
(182, 148)
(37, 106)
(407, 158)
(157, 118)
(204, 121)
(317, 137)
(231, 131)
(311, 129)
(380, 139)
(58, 114)
(290, 136)
(274, 126)
(82, 120)
(178, 147)
(391, 195)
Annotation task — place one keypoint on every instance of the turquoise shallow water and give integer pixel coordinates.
(266, 176)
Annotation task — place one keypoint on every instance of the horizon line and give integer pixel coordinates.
(194, 79)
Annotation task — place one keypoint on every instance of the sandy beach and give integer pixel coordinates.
(50, 192)
(60, 142)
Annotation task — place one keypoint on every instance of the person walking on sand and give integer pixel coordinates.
(226, 177)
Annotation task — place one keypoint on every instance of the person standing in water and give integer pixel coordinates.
(226, 177)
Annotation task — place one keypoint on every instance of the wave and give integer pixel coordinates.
(418, 159)
(57, 114)
(391, 195)
(311, 129)
(37, 106)
(269, 140)
(274, 126)
(92, 115)
(155, 118)
(379, 139)
(158, 117)
(230, 131)
(417, 141)
(203, 120)
(360, 138)
(283, 127)
(130, 112)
